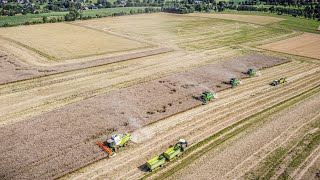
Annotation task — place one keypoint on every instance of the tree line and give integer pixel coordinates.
(305, 9)
(13, 7)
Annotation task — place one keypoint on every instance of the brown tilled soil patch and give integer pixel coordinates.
(262, 20)
(12, 69)
(63, 140)
(307, 45)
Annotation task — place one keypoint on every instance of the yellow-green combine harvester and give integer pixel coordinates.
(168, 155)
(117, 141)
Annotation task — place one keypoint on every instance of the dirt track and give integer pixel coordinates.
(123, 110)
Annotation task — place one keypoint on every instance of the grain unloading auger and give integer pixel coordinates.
(115, 143)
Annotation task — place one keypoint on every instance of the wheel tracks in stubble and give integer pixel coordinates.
(275, 100)
(120, 159)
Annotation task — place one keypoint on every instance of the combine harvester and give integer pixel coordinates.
(113, 145)
(168, 155)
(277, 82)
(235, 82)
(207, 96)
(252, 72)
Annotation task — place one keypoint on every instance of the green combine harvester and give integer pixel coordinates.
(207, 96)
(252, 72)
(168, 155)
(277, 82)
(234, 82)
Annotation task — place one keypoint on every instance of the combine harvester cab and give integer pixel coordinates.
(156, 162)
(115, 143)
(175, 150)
(277, 82)
(234, 82)
(207, 96)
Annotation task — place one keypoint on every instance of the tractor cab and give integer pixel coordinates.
(183, 143)
(277, 82)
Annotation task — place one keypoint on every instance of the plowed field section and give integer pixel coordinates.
(307, 45)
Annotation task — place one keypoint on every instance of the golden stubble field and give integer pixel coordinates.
(62, 41)
(307, 45)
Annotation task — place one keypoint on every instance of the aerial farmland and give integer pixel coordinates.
(234, 95)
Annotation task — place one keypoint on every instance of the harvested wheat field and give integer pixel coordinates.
(240, 156)
(13, 69)
(262, 20)
(307, 45)
(123, 110)
(66, 86)
(64, 41)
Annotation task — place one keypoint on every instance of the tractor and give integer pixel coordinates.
(113, 145)
(168, 155)
(234, 82)
(252, 72)
(277, 82)
(207, 96)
